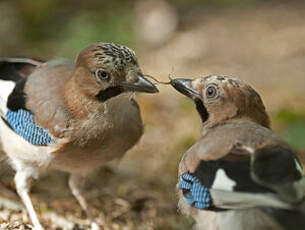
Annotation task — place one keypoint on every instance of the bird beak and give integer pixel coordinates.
(141, 85)
(184, 86)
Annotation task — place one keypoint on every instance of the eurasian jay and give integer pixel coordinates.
(239, 175)
(67, 116)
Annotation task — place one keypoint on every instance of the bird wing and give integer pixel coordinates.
(13, 70)
(278, 168)
(216, 175)
(31, 101)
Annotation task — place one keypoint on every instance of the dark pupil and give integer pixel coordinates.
(103, 74)
(211, 91)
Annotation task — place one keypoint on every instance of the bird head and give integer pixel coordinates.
(105, 70)
(219, 99)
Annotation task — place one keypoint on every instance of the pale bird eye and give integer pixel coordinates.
(103, 75)
(211, 91)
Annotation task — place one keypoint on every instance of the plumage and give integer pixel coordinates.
(239, 174)
(73, 117)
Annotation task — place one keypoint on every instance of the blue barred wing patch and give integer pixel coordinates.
(22, 122)
(194, 193)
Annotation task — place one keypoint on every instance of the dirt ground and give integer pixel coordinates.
(262, 45)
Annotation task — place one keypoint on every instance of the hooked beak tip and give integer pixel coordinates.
(141, 85)
(183, 85)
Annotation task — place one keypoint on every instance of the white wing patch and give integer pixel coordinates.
(6, 87)
(222, 181)
(298, 167)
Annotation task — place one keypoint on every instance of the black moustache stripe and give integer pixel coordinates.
(203, 113)
(106, 94)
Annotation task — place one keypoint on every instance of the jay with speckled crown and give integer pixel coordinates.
(239, 175)
(69, 117)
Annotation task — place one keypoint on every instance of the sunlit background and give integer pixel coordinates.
(261, 42)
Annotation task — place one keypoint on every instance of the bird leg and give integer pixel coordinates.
(23, 180)
(75, 184)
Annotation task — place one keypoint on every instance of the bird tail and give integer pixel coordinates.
(288, 219)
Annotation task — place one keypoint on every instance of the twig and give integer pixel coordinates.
(159, 82)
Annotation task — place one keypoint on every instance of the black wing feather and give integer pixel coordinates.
(276, 167)
(238, 171)
(16, 68)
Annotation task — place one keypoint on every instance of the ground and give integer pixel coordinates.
(263, 45)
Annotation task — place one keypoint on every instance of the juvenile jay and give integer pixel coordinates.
(68, 116)
(239, 175)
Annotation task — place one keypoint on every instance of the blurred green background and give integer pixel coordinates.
(259, 41)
